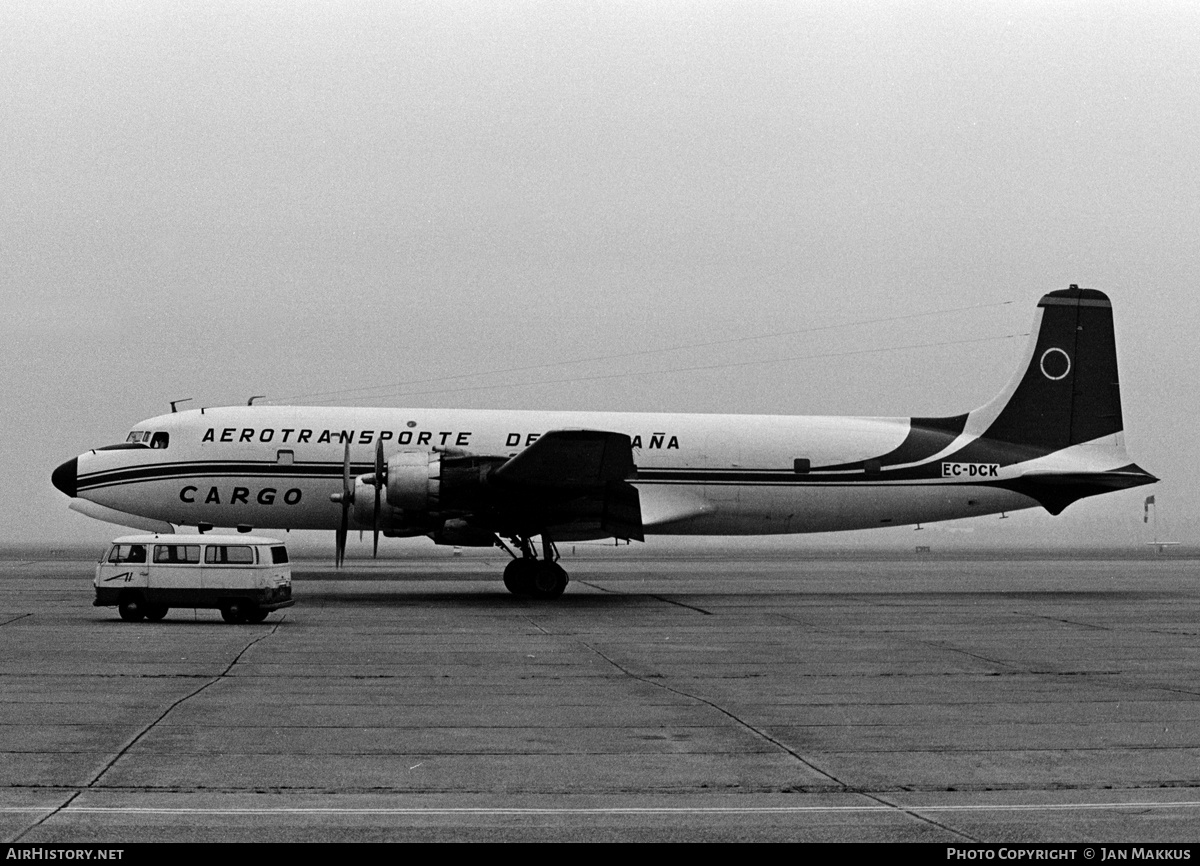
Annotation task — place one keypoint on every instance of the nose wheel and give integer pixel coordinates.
(531, 577)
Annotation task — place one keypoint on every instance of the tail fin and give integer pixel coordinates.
(1069, 392)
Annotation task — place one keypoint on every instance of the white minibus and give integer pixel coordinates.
(243, 576)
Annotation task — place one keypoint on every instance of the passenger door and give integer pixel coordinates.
(175, 570)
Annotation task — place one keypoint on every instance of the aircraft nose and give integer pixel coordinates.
(65, 477)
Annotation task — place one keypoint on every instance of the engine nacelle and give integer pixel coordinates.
(414, 480)
(430, 481)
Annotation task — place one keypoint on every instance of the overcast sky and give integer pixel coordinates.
(224, 199)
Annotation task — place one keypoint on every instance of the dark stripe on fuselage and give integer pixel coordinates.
(926, 437)
(215, 468)
(333, 471)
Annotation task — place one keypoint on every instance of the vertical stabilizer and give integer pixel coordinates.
(1069, 392)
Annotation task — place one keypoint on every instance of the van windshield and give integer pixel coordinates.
(127, 553)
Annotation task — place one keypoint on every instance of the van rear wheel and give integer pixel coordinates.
(131, 607)
(257, 615)
(235, 610)
(155, 612)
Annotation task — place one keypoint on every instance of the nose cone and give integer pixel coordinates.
(65, 477)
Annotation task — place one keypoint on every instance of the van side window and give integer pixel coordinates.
(279, 555)
(229, 554)
(177, 553)
(128, 553)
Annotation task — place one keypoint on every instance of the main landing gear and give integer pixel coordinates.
(531, 577)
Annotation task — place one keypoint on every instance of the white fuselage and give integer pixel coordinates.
(276, 467)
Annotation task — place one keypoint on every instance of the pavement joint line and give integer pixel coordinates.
(596, 587)
(140, 734)
(15, 618)
(46, 815)
(916, 815)
(932, 644)
(784, 747)
(877, 806)
(133, 741)
(942, 645)
(534, 623)
(1179, 691)
(756, 731)
(1074, 622)
(663, 598)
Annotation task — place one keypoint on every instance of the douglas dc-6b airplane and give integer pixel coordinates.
(471, 477)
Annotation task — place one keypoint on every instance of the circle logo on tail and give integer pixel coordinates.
(1056, 364)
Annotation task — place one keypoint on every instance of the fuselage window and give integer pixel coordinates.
(160, 440)
(229, 554)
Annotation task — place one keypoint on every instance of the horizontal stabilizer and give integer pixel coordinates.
(1054, 491)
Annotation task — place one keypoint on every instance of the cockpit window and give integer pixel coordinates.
(138, 436)
(160, 440)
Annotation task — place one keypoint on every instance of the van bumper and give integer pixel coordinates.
(275, 605)
(272, 599)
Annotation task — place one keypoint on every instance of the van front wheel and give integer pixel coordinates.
(131, 607)
(155, 612)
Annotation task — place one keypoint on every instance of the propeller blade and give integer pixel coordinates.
(346, 499)
(378, 482)
(339, 555)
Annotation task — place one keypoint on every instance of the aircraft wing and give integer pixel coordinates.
(576, 478)
(571, 458)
